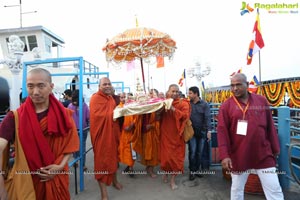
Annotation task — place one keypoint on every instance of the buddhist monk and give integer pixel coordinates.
(44, 136)
(105, 133)
(132, 124)
(150, 138)
(172, 144)
(150, 142)
(129, 126)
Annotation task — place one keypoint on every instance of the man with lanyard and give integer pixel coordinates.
(248, 140)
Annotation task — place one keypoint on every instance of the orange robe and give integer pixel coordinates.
(136, 140)
(151, 141)
(171, 143)
(42, 143)
(105, 135)
(125, 147)
(16, 181)
(58, 188)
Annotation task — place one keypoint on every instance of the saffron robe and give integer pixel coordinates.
(126, 147)
(16, 181)
(255, 150)
(172, 144)
(105, 134)
(151, 140)
(45, 143)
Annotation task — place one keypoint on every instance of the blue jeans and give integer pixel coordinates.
(195, 153)
(77, 154)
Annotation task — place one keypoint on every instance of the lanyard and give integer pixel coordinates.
(239, 105)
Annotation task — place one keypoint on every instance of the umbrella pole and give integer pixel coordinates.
(143, 77)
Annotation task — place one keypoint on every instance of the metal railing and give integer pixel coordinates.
(287, 122)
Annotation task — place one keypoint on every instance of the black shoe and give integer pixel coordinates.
(199, 175)
(192, 177)
(126, 169)
(131, 174)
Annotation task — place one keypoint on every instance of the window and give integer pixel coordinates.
(32, 42)
(23, 40)
(48, 45)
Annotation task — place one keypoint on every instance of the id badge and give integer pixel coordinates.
(242, 127)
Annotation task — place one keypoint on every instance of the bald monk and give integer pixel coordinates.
(105, 133)
(172, 144)
(45, 136)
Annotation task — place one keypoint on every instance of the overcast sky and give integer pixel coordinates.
(211, 32)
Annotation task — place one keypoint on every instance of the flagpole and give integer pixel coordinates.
(186, 87)
(165, 80)
(259, 66)
(259, 63)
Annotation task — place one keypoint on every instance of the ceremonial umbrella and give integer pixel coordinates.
(139, 43)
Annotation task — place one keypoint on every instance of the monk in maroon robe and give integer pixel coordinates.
(45, 136)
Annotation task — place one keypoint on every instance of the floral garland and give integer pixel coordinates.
(293, 89)
(274, 93)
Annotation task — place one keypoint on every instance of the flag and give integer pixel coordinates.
(160, 61)
(253, 85)
(130, 65)
(257, 43)
(255, 80)
(136, 21)
(180, 82)
(203, 86)
(238, 71)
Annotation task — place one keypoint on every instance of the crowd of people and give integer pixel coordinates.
(44, 132)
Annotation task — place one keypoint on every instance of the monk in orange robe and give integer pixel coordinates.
(130, 127)
(150, 142)
(151, 138)
(45, 136)
(171, 143)
(105, 133)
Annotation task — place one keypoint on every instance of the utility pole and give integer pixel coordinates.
(21, 11)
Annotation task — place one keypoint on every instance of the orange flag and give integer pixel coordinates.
(160, 61)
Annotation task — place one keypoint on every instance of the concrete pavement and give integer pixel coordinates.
(142, 187)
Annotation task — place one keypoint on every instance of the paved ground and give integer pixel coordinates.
(143, 187)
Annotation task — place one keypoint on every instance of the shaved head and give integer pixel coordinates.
(240, 76)
(105, 86)
(42, 71)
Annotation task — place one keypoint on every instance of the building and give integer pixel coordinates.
(40, 44)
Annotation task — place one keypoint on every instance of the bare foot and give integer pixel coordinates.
(152, 175)
(165, 178)
(150, 171)
(118, 185)
(173, 183)
(174, 186)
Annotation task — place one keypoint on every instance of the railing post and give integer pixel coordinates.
(284, 140)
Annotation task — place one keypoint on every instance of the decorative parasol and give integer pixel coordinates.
(139, 43)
